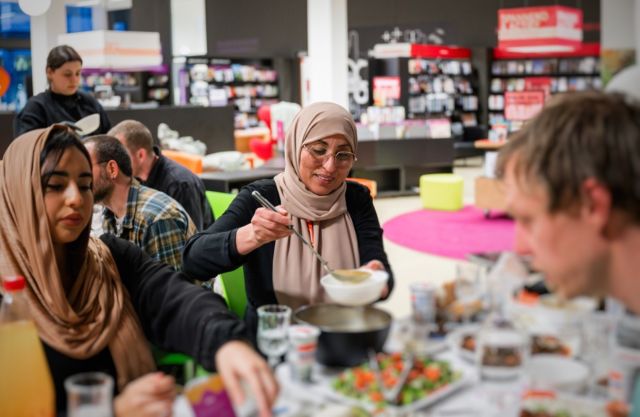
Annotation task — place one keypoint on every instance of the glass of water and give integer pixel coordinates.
(468, 291)
(273, 324)
(89, 395)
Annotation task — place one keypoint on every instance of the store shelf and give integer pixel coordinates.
(211, 80)
(522, 74)
(134, 87)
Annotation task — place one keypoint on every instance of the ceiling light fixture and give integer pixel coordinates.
(34, 7)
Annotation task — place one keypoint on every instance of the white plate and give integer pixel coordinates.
(324, 388)
(577, 406)
(557, 372)
(401, 329)
(454, 342)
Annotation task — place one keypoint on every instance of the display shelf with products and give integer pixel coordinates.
(432, 82)
(247, 84)
(119, 88)
(514, 77)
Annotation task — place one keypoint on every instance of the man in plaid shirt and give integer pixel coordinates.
(146, 217)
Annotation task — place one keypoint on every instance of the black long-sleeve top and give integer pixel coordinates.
(47, 108)
(176, 316)
(214, 251)
(183, 186)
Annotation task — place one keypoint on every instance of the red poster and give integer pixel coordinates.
(522, 105)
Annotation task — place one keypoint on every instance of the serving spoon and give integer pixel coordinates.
(352, 276)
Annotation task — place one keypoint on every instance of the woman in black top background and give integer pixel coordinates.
(62, 102)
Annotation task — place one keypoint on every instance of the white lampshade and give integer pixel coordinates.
(626, 81)
(34, 7)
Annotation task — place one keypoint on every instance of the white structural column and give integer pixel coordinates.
(99, 18)
(327, 44)
(636, 21)
(44, 36)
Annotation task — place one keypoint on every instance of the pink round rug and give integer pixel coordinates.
(453, 234)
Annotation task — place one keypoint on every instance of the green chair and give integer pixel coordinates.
(233, 290)
(181, 366)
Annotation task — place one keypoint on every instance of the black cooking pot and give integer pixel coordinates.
(347, 333)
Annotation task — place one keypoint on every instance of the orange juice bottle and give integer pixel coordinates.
(26, 389)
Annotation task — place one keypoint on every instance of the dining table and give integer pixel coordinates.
(471, 396)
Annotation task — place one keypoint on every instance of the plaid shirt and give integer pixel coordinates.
(155, 222)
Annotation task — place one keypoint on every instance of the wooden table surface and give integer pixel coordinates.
(489, 145)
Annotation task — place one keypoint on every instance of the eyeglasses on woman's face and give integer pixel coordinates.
(321, 154)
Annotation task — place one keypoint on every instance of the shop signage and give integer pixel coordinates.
(418, 50)
(522, 105)
(540, 29)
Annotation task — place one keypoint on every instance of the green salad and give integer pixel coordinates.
(426, 376)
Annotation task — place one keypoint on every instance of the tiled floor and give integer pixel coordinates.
(409, 265)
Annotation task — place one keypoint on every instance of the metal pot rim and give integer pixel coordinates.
(329, 329)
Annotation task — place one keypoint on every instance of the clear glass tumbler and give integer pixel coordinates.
(273, 324)
(89, 395)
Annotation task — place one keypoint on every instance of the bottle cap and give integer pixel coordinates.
(13, 283)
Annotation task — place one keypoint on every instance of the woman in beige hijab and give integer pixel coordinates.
(314, 197)
(95, 302)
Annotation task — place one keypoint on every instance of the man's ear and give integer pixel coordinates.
(112, 169)
(141, 154)
(597, 205)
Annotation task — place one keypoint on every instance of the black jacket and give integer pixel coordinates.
(213, 251)
(47, 108)
(176, 316)
(183, 186)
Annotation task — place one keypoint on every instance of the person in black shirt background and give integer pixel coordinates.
(62, 102)
(157, 171)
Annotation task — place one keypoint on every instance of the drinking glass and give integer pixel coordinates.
(273, 324)
(89, 395)
(468, 291)
(423, 316)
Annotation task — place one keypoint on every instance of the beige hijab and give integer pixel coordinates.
(97, 311)
(296, 271)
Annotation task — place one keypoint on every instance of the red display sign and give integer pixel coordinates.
(552, 28)
(522, 105)
(439, 51)
(538, 84)
(418, 50)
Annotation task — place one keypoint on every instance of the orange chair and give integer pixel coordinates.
(370, 184)
(192, 162)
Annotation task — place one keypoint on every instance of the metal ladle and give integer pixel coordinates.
(352, 276)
